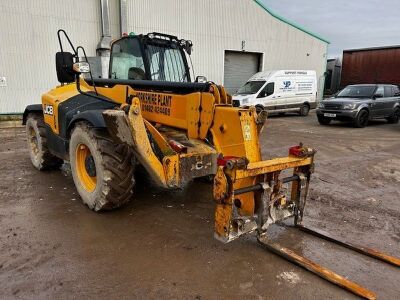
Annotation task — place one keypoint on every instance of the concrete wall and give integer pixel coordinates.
(216, 26)
(28, 43)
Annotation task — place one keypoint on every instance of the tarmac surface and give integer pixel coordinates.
(161, 244)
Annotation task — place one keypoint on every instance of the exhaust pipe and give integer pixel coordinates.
(104, 45)
(123, 17)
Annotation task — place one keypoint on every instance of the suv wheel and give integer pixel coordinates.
(323, 120)
(361, 119)
(394, 119)
(304, 110)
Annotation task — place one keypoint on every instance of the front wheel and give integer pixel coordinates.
(361, 119)
(102, 170)
(259, 108)
(323, 120)
(394, 119)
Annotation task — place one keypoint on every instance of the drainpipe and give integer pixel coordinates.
(123, 16)
(103, 47)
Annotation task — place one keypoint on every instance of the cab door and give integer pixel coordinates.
(378, 103)
(266, 96)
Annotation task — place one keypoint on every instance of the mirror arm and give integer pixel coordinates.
(90, 69)
(78, 87)
(69, 41)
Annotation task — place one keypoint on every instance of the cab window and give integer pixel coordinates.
(268, 90)
(396, 91)
(379, 92)
(166, 64)
(127, 60)
(388, 91)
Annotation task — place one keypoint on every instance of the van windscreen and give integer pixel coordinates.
(251, 87)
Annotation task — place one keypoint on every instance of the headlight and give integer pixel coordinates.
(245, 101)
(350, 106)
(321, 105)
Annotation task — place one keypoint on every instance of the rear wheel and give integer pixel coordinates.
(361, 119)
(394, 119)
(102, 170)
(304, 110)
(40, 155)
(323, 120)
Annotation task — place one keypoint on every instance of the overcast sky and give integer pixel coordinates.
(347, 24)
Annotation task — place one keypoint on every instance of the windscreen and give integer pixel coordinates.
(251, 87)
(166, 64)
(127, 60)
(357, 91)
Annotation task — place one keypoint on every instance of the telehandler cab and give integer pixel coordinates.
(149, 112)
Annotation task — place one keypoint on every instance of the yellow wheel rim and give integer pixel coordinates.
(84, 167)
(33, 141)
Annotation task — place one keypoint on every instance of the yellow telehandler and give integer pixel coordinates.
(150, 112)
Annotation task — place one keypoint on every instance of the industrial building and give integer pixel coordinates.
(233, 39)
(371, 65)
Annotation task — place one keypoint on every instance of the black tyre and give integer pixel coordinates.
(259, 108)
(394, 119)
(103, 171)
(362, 119)
(40, 155)
(323, 120)
(304, 110)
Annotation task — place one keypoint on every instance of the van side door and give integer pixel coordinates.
(266, 96)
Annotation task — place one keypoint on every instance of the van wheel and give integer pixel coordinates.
(259, 108)
(102, 170)
(41, 157)
(394, 119)
(361, 119)
(324, 121)
(304, 110)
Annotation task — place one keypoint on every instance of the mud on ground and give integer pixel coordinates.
(161, 244)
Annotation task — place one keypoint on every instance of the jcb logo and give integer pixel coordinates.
(48, 109)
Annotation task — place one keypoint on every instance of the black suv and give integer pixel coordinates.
(361, 103)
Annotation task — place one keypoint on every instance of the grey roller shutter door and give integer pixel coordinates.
(238, 68)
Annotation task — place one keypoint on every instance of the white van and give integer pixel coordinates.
(279, 91)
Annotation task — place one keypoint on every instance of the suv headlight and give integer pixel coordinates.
(349, 106)
(321, 105)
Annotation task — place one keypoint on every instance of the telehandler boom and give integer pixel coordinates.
(149, 112)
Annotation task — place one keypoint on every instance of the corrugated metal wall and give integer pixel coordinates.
(218, 25)
(371, 66)
(28, 40)
(28, 43)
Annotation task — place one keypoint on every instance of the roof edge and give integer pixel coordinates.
(372, 48)
(268, 10)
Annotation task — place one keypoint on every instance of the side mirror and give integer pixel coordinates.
(201, 79)
(262, 94)
(378, 96)
(64, 67)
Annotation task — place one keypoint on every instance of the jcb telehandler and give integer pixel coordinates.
(149, 112)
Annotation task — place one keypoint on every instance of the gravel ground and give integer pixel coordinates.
(161, 244)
